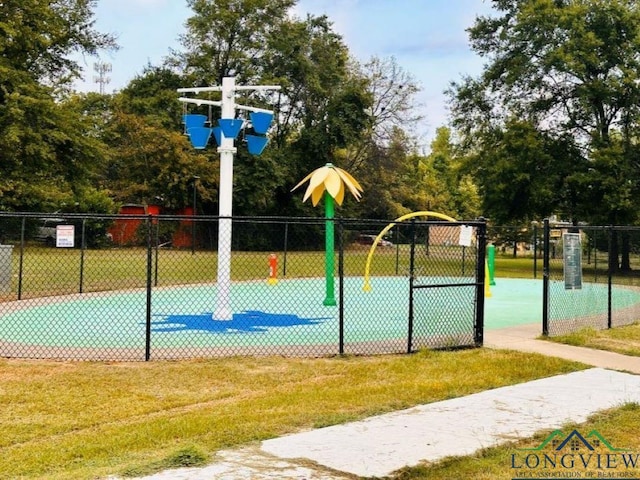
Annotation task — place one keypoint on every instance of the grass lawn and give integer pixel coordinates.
(63, 420)
(84, 420)
(624, 340)
(112, 269)
(619, 426)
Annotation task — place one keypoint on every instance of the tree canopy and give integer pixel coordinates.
(568, 71)
(48, 156)
(65, 151)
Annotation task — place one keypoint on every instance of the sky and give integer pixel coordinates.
(426, 37)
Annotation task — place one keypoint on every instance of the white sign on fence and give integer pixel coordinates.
(65, 236)
(572, 253)
(466, 232)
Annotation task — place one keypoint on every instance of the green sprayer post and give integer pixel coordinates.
(329, 262)
(491, 263)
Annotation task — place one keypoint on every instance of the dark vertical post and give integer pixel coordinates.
(147, 349)
(286, 241)
(427, 240)
(397, 242)
(535, 251)
(545, 279)
(193, 219)
(83, 246)
(156, 249)
(341, 286)
(481, 280)
(20, 271)
(464, 252)
(609, 276)
(595, 256)
(411, 274)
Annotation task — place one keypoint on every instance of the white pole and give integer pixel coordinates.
(227, 150)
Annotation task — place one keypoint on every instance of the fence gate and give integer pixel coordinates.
(446, 278)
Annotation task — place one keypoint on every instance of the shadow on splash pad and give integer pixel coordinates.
(243, 322)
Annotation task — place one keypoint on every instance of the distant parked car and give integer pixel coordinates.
(370, 239)
(47, 230)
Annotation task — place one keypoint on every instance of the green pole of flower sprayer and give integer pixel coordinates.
(329, 251)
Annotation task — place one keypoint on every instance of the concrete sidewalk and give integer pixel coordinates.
(523, 338)
(383, 444)
(380, 445)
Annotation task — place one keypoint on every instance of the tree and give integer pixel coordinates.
(570, 70)
(398, 180)
(153, 165)
(320, 109)
(152, 95)
(50, 154)
(310, 62)
(228, 37)
(524, 174)
(47, 154)
(37, 39)
(393, 106)
(457, 190)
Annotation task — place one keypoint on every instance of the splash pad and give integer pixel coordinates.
(181, 316)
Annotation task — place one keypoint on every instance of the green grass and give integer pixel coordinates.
(116, 268)
(619, 426)
(113, 269)
(88, 420)
(63, 420)
(624, 340)
(120, 268)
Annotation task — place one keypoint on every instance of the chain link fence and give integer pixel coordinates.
(519, 242)
(143, 287)
(590, 277)
(447, 275)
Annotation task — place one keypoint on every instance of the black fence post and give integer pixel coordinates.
(21, 266)
(595, 256)
(341, 286)
(156, 249)
(285, 247)
(480, 282)
(397, 242)
(411, 275)
(83, 246)
(609, 275)
(545, 279)
(535, 250)
(147, 349)
(464, 255)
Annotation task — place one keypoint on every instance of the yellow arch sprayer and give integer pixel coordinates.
(366, 287)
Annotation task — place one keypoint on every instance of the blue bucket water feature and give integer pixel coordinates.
(261, 121)
(199, 137)
(256, 144)
(230, 127)
(193, 120)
